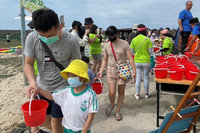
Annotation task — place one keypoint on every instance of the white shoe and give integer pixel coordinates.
(137, 96)
(147, 96)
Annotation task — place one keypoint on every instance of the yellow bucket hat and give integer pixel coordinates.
(77, 67)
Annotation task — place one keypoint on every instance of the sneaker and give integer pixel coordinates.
(137, 96)
(147, 96)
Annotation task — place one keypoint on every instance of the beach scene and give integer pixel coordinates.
(100, 66)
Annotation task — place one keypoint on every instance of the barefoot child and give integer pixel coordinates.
(78, 102)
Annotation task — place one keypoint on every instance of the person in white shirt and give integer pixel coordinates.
(76, 28)
(78, 102)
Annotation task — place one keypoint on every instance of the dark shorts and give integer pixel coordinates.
(53, 109)
(8, 40)
(97, 57)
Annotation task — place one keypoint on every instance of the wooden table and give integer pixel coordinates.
(168, 80)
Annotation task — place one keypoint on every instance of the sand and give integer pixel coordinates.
(139, 116)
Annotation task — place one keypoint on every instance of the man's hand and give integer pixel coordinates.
(87, 31)
(181, 29)
(32, 89)
(186, 49)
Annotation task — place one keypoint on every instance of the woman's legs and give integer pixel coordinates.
(138, 77)
(98, 66)
(120, 100)
(146, 68)
(94, 65)
(112, 93)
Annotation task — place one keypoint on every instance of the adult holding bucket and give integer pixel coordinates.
(53, 50)
(122, 52)
(142, 47)
(78, 101)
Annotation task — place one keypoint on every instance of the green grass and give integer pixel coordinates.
(13, 43)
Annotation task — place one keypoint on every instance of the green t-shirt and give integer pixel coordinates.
(95, 47)
(142, 54)
(168, 43)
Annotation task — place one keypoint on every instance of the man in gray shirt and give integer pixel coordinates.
(64, 47)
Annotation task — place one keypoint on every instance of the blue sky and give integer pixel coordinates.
(121, 13)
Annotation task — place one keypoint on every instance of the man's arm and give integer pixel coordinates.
(88, 123)
(191, 42)
(30, 74)
(180, 25)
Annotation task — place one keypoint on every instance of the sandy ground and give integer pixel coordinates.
(139, 116)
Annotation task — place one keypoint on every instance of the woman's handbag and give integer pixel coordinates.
(125, 69)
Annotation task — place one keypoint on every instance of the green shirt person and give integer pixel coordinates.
(167, 43)
(141, 45)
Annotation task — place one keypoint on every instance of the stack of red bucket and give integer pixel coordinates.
(176, 66)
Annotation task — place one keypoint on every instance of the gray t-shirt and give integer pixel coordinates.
(64, 50)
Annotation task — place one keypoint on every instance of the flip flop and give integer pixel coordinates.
(109, 110)
(118, 116)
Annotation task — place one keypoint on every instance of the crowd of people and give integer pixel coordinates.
(64, 75)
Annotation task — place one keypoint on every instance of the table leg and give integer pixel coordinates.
(158, 102)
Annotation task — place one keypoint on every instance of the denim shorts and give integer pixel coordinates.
(53, 109)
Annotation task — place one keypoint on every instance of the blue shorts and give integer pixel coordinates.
(53, 109)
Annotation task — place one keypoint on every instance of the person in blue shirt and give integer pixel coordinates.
(184, 25)
(194, 22)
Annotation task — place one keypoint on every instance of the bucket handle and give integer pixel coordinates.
(30, 101)
(171, 71)
(160, 68)
(161, 63)
(194, 72)
(100, 81)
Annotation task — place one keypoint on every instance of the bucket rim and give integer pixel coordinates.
(27, 111)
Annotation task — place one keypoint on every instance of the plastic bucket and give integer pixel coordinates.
(155, 49)
(171, 59)
(160, 57)
(160, 72)
(97, 86)
(37, 114)
(188, 54)
(182, 58)
(176, 73)
(190, 73)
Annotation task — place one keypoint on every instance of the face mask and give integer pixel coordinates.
(74, 82)
(49, 40)
(112, 39)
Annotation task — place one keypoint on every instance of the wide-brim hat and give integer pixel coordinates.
(77, 67)
(88, 21)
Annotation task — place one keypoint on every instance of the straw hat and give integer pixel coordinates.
(77, 67)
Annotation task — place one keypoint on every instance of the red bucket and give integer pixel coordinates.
(160, 57)
(133, 56)
(176, 73)
(190, 73)
(155, 49)
(161, 71)
(37, 115)
(188, 54)
(97, 86)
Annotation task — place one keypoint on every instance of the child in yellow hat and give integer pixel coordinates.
(78, 102)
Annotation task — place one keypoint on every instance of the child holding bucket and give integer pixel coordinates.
(78, 102)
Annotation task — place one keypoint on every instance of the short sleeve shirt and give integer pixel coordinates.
(168, 43)
(196, 30)
(121, 49)
(141, 49)
(185, 16)
(76, 107)
(64, 50)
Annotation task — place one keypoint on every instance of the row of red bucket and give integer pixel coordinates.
(176, 66)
